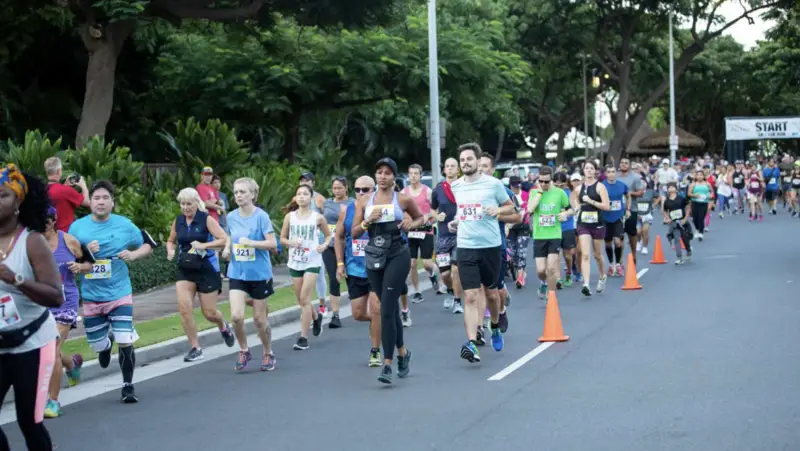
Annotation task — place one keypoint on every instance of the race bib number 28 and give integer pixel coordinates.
(8, 312)
(101, 269)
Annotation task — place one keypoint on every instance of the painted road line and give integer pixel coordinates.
(502, 374)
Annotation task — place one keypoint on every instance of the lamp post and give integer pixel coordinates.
(585, 111)
(673, 139)
(433, 83)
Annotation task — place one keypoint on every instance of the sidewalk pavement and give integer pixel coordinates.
(161, 302)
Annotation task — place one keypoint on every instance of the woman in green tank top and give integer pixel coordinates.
(700, 194)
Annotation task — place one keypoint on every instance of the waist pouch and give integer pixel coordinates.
(376, 252)
(521, 229)
(190, 261)
(16, 338)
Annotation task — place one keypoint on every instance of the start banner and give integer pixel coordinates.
(740, 129)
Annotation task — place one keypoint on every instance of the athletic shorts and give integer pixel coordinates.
(614, 230)
(206, 279)
(630, 224)
(446, 246)
(597, 233)
(357, 287)
(543, 248)
(299, 273)
(100, 318)
(255, 289)
(501, 278)
(569, 239)
(645, 219)
(422, 248)
(478, 267)
(769, 196)
(65, 316)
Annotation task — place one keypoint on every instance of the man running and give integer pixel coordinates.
(420, 241)
(620, 201)
(106, 285)
(636, 189)
(771, 176)
(480, 199)
(443, 203)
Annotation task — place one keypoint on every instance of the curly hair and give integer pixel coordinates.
(33, 209)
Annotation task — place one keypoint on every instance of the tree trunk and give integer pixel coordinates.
(104, 47)
(501, 139)
(291, 135)
(562, 134)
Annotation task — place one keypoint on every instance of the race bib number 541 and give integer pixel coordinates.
(469, 212)
(101, 269)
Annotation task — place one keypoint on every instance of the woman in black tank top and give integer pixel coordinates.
(739, 192)
(592, 199)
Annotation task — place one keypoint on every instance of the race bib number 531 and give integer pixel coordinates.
(469, 212)
(101, 269)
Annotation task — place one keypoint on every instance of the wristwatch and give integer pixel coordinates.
(19, 279)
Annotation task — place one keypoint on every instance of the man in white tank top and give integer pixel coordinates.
(421, 242)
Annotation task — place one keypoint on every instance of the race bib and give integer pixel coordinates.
(796, 182)
(701, 197)
(547, 220)
(676, 215)
(242, 253)
(416, 235)
(470, 212)
(589, 217)
(643, 207)
(773, 181)
(616, 205)
(387, 212)
(8, 312)
(442, 260)
(358, 247)
(300, 254)
(755, 185)
(101, 269)
(737, 180)
(332, 228)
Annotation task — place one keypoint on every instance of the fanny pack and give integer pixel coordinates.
(376, 252)
(191, 260)
(17, 337)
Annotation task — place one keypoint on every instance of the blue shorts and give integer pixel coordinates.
(114, 316)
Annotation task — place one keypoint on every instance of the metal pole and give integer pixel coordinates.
(594, 113)
(673, 139)
(433, 82)
(585, 112)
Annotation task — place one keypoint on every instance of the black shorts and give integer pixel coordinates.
(206, 279)
(255, 289)
(543, 248)
(769, 196)
(446, 246)
(631, 224)
(422, 248)
(614, 230)
(568, 239)
(478, 267)
(357, 287)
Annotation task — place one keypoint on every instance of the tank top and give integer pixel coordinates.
(723, 189)
(354, 249)
(330, 211)
(590, 215)
(754, 185)
(314, 202)
(63, 256)
(196, 231)
(305, 229)
(738, 179)
(23, 311)
(702, 193)
(391, 216)
(795, 181)
(422, 202)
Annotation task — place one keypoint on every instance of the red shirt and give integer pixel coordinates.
(207, 192)
(65, 200)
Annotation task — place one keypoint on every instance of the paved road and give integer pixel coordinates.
(705, 357)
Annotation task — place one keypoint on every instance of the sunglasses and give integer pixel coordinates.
(545, 182)
(362, 190)
(340, 178)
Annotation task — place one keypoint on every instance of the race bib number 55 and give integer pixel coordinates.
(101, 269)
(470, 212)
(358, 247)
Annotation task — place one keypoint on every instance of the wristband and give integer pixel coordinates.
(363, 226)
(339, 264)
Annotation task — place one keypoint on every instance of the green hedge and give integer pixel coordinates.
(153, 271)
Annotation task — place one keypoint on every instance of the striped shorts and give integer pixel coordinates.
(116, 316)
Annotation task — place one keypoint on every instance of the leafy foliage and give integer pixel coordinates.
(153, 211)
(100, 161)
(32, 153)
(152, 272)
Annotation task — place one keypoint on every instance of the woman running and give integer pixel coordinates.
(300, 235)
(65, 250)
(519, 235)
(387, 258)
(700, 194)
(677, 211)
(195, 235)
(755, 191)
(331, 209)
(592, 199)
(250, 239)
(29, 286)
(739, 189)
(724, 190)
(568, 238)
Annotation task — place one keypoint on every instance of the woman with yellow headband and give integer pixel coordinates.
(29, 285)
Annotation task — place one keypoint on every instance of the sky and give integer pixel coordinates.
(743, 32)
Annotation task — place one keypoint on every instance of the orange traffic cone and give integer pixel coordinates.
(658, 254)
(631, 278)
(553, 330)
(683, 246)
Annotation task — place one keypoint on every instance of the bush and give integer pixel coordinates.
(152, 272)
(100, 161)
(152, 211)
(30, 156)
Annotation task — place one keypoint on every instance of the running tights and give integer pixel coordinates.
(699, 212)
(615, 254)
(518, 244)
(29, 374)
(388, 283)
(329, 258)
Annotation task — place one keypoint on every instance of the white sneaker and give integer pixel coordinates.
(601, 285)
(639, 246)
(458, 308)
(448, 301)
(644, 250)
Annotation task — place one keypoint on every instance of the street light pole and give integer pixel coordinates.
(433, 83)
(673, 139)
(594, 112)
(585, 112)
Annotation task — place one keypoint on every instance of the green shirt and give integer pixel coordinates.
(545, 218)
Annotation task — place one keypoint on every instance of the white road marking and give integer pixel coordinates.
(502, 374)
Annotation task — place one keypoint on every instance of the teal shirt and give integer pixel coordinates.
(701, 193)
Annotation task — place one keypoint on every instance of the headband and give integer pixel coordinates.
(12, 177)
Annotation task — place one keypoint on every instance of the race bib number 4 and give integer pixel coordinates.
(643, 207)
(547, 220)
(589, 217)
(616, 205)
(101, 269)
(387, 212)
(358, 247)
(470, 212)
(8, 312)
(442, 260)
(300, 254)
(416, 235)
(676, 215)
(242, 253)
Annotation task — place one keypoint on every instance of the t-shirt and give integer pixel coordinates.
(65, 200)
(477, 230)
(772, 178)
(616, 197)
(442, 204)
(675, 209)
(208, 192)
(248, 263)
(634, 183)
(116, 234)
(545, 218)
(502, 225)
(569, 224)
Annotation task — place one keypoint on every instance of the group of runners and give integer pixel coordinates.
(469, 231)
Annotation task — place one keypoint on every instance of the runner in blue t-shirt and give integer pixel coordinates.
(446, 256)
(569, 240)
(772, 178)
(620, 199)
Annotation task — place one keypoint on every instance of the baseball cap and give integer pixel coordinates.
(514, 180)
(207, 170)
(307, 176)
(574, 177)
(387, 162)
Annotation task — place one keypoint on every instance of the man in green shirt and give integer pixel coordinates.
(549, 206)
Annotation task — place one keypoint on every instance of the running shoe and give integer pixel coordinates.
(497, 340)
(417, 298)
(268, 362)
(406, 317)
(52, 409)
(316, 328)
(128, 394)
(227, 335)
(193, 355)
(404, 364)
(243, 359)
(74, 375)
(386, 374)
(374, 358)
(470, 352)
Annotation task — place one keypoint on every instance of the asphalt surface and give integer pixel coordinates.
(705, 357)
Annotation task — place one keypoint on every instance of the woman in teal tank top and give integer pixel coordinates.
(700, 193)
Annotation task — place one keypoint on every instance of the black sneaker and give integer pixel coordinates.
(104, 357)
(403, 363)
(193, 355)
(317, 325)
(302, 344)
(503, 321)
(479, 338)
(386, 374)
(417, 298)
(128, 395)
(586, 291)
(227, 335)
(335, 322)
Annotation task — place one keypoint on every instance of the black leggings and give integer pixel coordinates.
(23, 372)
(699, 211)
(329, 258)
(388, 284)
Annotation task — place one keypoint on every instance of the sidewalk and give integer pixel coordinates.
(162, 302)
